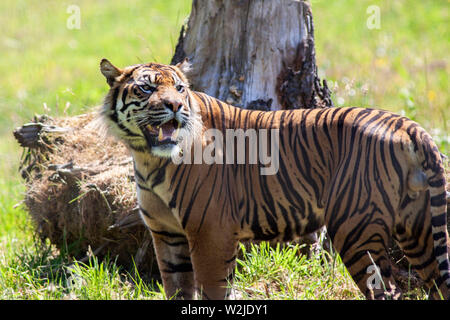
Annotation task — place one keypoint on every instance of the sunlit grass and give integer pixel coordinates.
(40, 272)
(265, 272)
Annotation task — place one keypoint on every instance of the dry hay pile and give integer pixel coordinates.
(81, 190)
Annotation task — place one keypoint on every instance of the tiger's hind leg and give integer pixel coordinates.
(413, 234)
(361, 239)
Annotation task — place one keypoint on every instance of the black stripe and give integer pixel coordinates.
(439, 200)
(168, 234)
(209, 199)
(173, 201)
(438, 235)
(176, 268)
(124, 98)
(437, 183)
(138, 174)
(183, 257)
(287, 230)
(188, 209)
(175, 244)
(231, 259)
(439, 220)
(222, 113)
(444, 266)
(160, 175)
(144, 188)
(256, 227)
(138, 148)
(114, 103)
(145, 213)
(440, 250)
(430, 260)
(340, 130)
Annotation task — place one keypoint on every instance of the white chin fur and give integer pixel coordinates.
(165, 151)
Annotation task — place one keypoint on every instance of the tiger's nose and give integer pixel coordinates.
(173, 105)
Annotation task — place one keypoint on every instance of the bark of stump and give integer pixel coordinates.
(253, 54)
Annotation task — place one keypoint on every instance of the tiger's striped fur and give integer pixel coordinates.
(367, 175)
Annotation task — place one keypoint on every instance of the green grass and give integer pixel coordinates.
(40, 272)
(267, 272)
(46, 67)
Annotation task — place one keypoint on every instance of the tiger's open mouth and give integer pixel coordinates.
(163, 134)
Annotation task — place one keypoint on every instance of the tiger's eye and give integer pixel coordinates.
(180, 88)
(146, 88)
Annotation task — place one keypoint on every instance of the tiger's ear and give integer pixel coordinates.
(184, 66)
(110, 71)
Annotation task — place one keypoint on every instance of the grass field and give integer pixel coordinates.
(49, 67)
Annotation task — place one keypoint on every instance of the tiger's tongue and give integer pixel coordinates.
(167, 130)
(162, 132)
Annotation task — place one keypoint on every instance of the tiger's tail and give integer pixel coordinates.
(433, 177)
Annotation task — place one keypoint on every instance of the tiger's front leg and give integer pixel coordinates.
(174, 262)
(213, 254)
(171, 247)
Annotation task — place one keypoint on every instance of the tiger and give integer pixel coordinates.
(367, 175)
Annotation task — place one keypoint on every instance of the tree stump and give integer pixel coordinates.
(253, 54)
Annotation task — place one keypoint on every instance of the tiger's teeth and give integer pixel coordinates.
(149, 127)
(177, 131)
(160, 136)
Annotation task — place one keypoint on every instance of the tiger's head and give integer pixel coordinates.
(149, 106)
